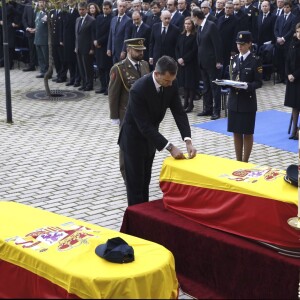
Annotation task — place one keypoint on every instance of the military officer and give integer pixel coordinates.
(242, 104)
(122, 76)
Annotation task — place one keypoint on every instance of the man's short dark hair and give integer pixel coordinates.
(288, 3)
(166, 64)
(82, 5)
(107, 3)
(198, 13)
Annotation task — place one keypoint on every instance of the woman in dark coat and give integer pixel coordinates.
(186, 55)
(292, 69)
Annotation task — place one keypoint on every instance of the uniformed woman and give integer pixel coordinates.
(292, 93)
(242, 103)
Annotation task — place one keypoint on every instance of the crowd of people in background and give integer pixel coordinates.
(92, 33)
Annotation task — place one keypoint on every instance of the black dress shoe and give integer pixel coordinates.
(215, 117)
(82, 88)
(105, 93)
(76, 84)
(28, 69)
(40, 76)
(88, 88)
(291, 137)
(60, 80)
(98, 92)
(54, 79)
(204, 113)
(69, 83)
(189, 108)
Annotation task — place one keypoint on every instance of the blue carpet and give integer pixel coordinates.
(271, 129)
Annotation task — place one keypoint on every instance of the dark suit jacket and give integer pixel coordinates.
(153, 19)
(243, 24)
(209, 46)
(285, 29)
(117, 36)
(178, 20)
(212, 18)
(28, 18)
(102, 25)
(143, 32)
(68, 35)
(84, 38)
(219, 14)
(252, 13)
(228, 29)
(139, 133)
(186, 13)
(157, 48)
(265, 29)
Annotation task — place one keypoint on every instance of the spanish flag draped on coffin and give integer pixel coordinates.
(240, 198)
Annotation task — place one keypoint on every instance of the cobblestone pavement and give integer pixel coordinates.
(62, 156)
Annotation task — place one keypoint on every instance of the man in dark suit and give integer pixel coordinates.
(139, 138)
(266, 39)
(140, 30)
(119, 31)
(278, 11)
(283, 31)
(228, 29)
(252, 12)
(182, 8)
(163, 38)
(242, 18)
(155, 17)
(220, 11)
(104, 62)
(210, 63)
(205, 7)
(68, 37)
(84, 47)
(28, 21)
(176, 18)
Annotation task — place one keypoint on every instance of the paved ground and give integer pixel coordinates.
(62, 156)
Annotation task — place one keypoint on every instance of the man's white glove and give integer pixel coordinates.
(115, 121)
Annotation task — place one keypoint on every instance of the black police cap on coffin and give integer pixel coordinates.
(116, 250)
(292, 175)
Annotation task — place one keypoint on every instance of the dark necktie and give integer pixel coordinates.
(163, 34)
(161, 92)
(80, 23)
(137, 65)
(285, 17)
(278, 12)
(263, 18)
(118, 22)
(241, 60)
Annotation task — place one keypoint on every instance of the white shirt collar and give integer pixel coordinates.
(203, 23)
(245, 55)
(157, 85)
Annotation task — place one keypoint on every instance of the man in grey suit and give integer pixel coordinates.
(210, 63)
(119, 31)
(84, 47)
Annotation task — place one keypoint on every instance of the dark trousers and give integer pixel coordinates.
(104, 77)
(86, 69)
(280, 57)
(59, 62)
(138, 176)
(33, 61)
(211, 91)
